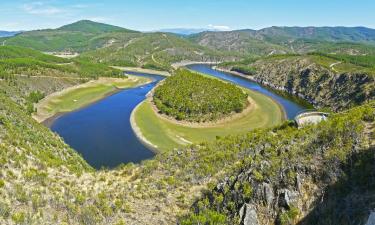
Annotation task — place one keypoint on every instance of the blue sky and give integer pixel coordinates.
(158, 14)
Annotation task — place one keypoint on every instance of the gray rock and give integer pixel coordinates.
(248, 215)
(287, 198)
(371, 219)
(268, 193)
(298, 182)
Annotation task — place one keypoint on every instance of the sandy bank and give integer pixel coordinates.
(44, 113)
(141, 70)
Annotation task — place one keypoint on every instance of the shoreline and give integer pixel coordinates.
(219, 123)
(142, 70)
(138, 133)
(47, 119)
(50, 120)
(248, 77)
(186, 63)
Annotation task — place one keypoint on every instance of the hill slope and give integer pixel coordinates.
(117, 46)
(77, 37)
(275, 40)
(43, 181)
(153, 50)
(88, 26)
(325, 80)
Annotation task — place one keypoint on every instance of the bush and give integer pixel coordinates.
(19, 217)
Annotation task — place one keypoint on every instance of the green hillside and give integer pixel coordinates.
(88, 26)
(119, 46)
(321, 174)
(35, 74)
(336, 81)
(276, 40)
(153, 51)
(256, 171)
(192, 97)
(42, 180)
(333, 34)
(77, 37)
(9, 52)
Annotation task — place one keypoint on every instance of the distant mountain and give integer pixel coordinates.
(185, 31)
(117, 46)
(81, 36)
(284, 39)
(8, 33)
(335, 34)
(92, 27)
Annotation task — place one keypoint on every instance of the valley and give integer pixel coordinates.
(138, 134)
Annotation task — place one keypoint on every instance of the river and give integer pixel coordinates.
(102, 134)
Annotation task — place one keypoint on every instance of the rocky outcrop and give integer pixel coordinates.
(302, 180)
(322, 87)
(371, 219)
(248, 215)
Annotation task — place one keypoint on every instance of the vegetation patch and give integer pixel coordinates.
(81, 95)
(166, 134)
(192, 97)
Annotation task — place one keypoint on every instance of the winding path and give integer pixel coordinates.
(334, 64)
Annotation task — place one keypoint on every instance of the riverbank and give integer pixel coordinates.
(138, 133)
(249, 77)
(165, 134)
(186, 63)
(73, 98)
(142, 70)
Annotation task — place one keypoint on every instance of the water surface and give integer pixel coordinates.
(101, 132)
(290, 106)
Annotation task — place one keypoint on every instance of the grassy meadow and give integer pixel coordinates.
(81, 95)
(166, 135)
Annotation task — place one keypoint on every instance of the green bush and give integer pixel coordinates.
(19, 217)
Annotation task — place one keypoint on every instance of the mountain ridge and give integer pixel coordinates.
(93, 27)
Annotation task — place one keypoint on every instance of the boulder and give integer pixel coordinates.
(248, 215)
(371, 219)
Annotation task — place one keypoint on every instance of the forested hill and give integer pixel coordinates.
(335, 34)
(336, 81)
(288, 39)
(76, 37)
(193, 97)
(119, 46)
(88, 26)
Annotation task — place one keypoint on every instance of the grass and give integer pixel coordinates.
(167, 135)
(81, 95)
(346, 63)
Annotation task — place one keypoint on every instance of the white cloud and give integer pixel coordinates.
(40, 8)
(219, 27)
(10, 26)
(80, 6)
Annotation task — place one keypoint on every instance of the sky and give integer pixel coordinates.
(148, 15)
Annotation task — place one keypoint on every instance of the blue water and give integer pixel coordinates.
(291, 107)
(102, 133)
